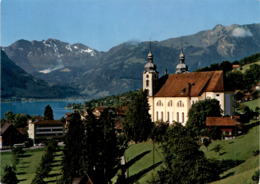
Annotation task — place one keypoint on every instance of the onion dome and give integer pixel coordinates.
(150, 66)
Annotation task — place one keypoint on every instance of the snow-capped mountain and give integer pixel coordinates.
(49, 55)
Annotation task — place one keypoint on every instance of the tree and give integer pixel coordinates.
(198, 113)
(159, 131)
(137, 123)
(184, 162)
(9, 176)
(101, 150)
(10, 116)
(206, 142)
(72, 166)
(252, 75)
(48, 113)
(234, 80)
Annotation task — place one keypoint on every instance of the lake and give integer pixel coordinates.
(37, 107)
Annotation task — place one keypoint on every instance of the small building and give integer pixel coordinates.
(41, 130)
(229, 125)
(9, 135)
(236, 67)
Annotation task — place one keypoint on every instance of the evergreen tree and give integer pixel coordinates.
(137, 123)
(9, 176)
(184, 162)
(48, 113)
(198, 113)
(72, 166)
(101, 150)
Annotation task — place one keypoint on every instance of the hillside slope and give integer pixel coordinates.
(15, 82)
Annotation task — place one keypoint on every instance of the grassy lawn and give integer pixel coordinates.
(146, 161)
(242, 173)
(240, 148)
(253, 103)
(28, 164)
(55, 172)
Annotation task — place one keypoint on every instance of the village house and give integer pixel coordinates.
(9, 135)
(171, 96)
(229, 126)
(42, 130)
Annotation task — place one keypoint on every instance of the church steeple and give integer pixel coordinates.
(150, 75)
(181, 67)
(181, 57)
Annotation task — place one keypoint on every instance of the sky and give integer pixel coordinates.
(102, 24)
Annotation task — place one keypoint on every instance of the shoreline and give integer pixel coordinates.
(6, 100)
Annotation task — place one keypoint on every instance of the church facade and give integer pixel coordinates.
(171, 96)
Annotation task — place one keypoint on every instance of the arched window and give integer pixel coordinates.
(183, 117)
(168, 116)
(147, 83)
(170, 103)
(162, 116)
(159, 103)
(177, 116)
(157, 115)
(180, 104)
(147, 76)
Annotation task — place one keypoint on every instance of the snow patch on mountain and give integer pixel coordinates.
(88, 50)
(49, 70)
(68, 47)
(46, 44)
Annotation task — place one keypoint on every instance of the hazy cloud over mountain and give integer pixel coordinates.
(241, 32)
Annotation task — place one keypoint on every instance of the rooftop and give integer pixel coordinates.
(191, 84)
(222, 121)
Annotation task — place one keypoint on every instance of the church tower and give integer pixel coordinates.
(181, 67)
(150, 75)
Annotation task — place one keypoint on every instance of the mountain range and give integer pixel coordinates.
(95, 73)
(18, 83)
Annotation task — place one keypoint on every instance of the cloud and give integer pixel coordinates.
(241, 32)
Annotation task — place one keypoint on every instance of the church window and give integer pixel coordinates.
(159, 103)
(147, 76)
(183, 117)
(172, 116)
(177, 116)
(162, 116)
(147, 83)
(170, 103)
(168, 116)
(157, 115)
(217, 94)
(180, 104)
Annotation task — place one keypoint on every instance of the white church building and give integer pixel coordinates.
(171, 96)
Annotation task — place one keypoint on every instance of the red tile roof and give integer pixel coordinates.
(177, 85)
(48, 122)
(222, 121)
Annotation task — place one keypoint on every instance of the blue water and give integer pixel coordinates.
(37, 107)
